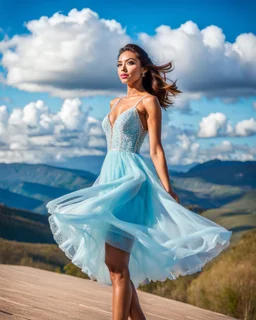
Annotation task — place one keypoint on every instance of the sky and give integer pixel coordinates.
(58, 74)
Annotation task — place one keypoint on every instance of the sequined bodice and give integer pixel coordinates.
(127, 133)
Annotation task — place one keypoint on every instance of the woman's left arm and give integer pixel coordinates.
(157, 154)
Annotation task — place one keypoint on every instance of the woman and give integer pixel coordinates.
(129, 227)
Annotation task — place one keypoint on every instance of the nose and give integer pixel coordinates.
(123, 68)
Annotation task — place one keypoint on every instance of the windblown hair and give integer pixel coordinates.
(153, 81)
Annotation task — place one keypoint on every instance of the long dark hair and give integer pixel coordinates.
(153, 81)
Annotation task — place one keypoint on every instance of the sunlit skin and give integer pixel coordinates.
(125, 301)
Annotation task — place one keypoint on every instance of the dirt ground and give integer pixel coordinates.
(35, 294)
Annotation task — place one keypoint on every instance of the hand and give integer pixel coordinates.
(174, 195)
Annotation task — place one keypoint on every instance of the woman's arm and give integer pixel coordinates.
(157, 154)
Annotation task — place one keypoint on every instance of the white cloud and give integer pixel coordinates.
(75, 55)
(246, 127)
(213, 125)
(183, 102)
(71, 116)
(226, 150)
(35, 134)
(180, 145)
(188, 150)
(217, 125)
(68, 56)
(204, 62)
(185, 149)
(3, 118)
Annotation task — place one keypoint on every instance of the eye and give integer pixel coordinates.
(129, 62)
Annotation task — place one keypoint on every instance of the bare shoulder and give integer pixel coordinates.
(113, 102)
(151, 103)
(151, 99)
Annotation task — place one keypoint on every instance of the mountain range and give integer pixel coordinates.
(206, 186)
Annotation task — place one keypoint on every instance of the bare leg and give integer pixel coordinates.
(117, 262)
(135, 309)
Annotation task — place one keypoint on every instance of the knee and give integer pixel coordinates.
(118, 275)
(117, 272)
(117, 262)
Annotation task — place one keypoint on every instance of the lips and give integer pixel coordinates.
(124, 75)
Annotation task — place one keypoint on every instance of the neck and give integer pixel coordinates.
(138, 94)
(135, 90)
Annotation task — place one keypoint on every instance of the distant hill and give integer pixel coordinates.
(84, 163)
(182, 168)
(197, 191)
(205, 186)
(31, 186)
(93, 164)
(48, 175)
(20, 201)
(25, 226)
(235, 173)
(238, 215)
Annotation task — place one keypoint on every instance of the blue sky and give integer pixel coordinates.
(233, 16)
(219, 96)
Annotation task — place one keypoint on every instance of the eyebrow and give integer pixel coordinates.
(126, 59)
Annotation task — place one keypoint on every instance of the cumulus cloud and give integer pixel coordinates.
(226, 150)
(75, 55)
(217, 125)
(68, 56)
(3, 118)
(246, 128)
(185, 150)
(71, 116)
(182, 102)
(204, 62)
(35, 134)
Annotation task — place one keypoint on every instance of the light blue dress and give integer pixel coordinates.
(128, 207)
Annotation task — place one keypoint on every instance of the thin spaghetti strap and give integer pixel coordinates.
(140, 100)
(115, 104)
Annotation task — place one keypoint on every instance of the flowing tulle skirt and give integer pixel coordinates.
(128, 208)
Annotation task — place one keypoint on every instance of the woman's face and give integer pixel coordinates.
(129, 67)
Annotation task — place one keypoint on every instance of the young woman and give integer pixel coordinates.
(129, 227)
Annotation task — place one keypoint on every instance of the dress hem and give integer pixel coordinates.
(169, 273)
